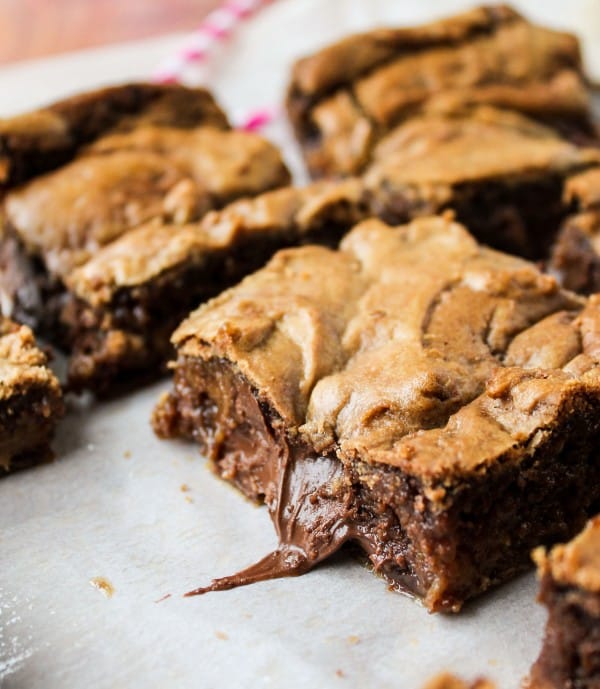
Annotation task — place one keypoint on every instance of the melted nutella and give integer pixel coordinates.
(313, 512)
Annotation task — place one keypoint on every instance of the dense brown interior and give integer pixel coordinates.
(492, 519)
(303, 99)
(570, 655)
(27, 423)
(446, 554)
(216, 407)
(574, 261)
(521, 218)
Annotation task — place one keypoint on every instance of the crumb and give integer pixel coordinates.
(221, 635)
(188, 499)
(339, 673)
(91, 447)
(353, 640)
(162, 598)
(127, 454)
(446, 680)
(184, 488)
(103, 585)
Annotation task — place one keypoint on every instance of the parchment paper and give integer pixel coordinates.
(112, 505)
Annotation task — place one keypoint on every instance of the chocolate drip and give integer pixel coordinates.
(313, 512)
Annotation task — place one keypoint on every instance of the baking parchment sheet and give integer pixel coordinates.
(149, 516)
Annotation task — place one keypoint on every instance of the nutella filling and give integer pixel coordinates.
(310, 497)
(313, 513)
(314, 500)
(318, 503)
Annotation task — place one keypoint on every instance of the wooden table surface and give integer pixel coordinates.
(34, 28)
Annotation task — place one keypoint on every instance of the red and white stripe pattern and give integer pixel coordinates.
(216, 28)
(257, 119)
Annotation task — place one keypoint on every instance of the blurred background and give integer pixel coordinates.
(34, 28)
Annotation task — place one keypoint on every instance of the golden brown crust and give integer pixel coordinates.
(124, 180)
(343, 99)
(443, 154)
(226, 164)
(504, 174)
(30, 399)
(283, 216)
(353, 56)
(138, 165)
(583, 190)
(22, 363)
(576, 563)
(441, 150)
(412, 347)
(46, 138)
(410, 391)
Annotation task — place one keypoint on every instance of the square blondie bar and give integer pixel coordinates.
(504, 175)
(345, 97)
(430, 399)
(165, 165)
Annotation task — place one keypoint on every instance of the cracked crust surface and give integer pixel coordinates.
(408, 347)
(134, 292)
(504, 175)
(142, 165)
(124, 180)
(284, 216)
(421, 167)
(437, 151)
(46, 138)
(344, 98)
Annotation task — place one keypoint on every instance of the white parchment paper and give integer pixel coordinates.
(112, 505)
